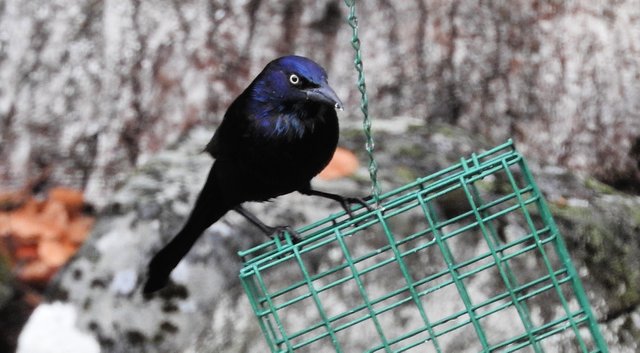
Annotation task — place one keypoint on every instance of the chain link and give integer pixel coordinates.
(352, 20)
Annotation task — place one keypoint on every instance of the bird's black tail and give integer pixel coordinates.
(209, 207)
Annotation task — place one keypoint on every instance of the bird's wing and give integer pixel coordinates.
(227, 140)
(213, 145)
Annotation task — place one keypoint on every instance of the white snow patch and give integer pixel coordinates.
(51, 329)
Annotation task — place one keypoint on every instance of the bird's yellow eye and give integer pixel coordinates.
(294, 79)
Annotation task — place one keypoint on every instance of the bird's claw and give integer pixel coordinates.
(269, 231)
(279, 231)
(346, 203)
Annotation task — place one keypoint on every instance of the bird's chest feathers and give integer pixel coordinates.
(289, 124)
(289, 127)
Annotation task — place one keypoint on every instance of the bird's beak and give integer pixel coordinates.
(325, 94)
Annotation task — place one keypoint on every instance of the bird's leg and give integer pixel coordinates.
(345, 202)
(267, 230)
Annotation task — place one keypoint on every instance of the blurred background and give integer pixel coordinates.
(93, 91)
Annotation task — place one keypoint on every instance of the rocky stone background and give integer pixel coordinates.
(118, 97)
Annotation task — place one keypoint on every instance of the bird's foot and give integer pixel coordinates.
(280, 232)
(348, 202)
(345, 202)
(269, 231)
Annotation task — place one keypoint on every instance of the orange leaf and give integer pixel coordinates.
(26, 252)
(12, 199)
(5, 226)
(344, 163)
(72, 199)
(31, 207)
(35, 271)
(79, 228)
(54, 215)
(26, 226)
(54, 253)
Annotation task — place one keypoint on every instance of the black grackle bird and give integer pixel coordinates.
(277, 135)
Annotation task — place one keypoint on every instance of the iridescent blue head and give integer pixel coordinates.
(294, 80)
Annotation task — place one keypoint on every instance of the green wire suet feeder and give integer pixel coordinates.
(395, 279)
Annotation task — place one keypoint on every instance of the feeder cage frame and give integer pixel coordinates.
(479, 218)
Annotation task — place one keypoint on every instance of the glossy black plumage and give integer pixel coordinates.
(274, 138)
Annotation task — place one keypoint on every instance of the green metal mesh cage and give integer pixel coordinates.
(401, 278)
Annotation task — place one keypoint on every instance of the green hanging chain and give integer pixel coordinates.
(352, 19)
